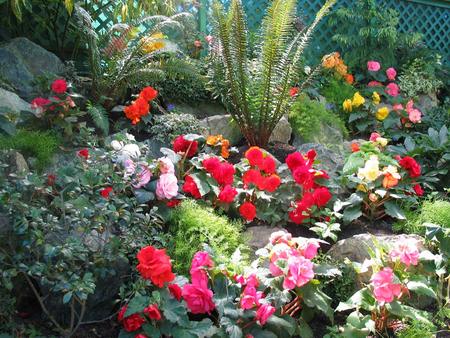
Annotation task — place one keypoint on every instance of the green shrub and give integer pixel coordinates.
(417, 329)
(168, 126)
(41, 145)
(419, 77)
(194, 225)
(336, 91)
(436, 212)
(307, 118)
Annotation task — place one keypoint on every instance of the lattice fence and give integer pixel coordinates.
(430, 18)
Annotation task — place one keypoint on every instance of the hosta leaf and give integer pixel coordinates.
(421, 288)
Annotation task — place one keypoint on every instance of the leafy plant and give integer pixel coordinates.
(309, 117)
(125, 58)
(41, 145)
(419, 77)
(259, 89)
(99, 116)
(193, 225)
(367, 31)
(167, 127)
(336, 90)
(380, 184)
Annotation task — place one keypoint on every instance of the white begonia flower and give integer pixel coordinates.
(117, 145)
(129, 151)
(130, 137)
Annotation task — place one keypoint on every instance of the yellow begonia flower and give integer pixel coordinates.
(347, 105)
(358, 100)
(371, 170)
(382, 141)
(153, 43)
(382, 113)
(376, 98)
(361, 187)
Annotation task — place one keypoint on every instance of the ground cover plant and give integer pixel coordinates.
(190, 169)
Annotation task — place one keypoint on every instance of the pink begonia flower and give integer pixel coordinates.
(167, 186)
(300, 272)
(250, 297)
(280, 237)
(373, 66)
(142, 177)
(252, 280)
(279, 252)
(410, 105)
(392, 89)
(374, 84)
(384, 288)
(200, 262)
(166, 166)
(198, 299)
(391, 73)
(209, 39)
(263, 313)
(407, 252)
(130, 167)
(239, 279)
(373, 137)
(397, 107)
(415, 115)
(310, 249)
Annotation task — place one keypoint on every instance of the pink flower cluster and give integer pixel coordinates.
(407, 252)
(197, 295)
(305, 175)
(392, 88)
(384, 288)
(291, 258)
(58, 87)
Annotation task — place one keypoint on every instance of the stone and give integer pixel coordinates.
(327, 135)
(258, 235)
(356, 247)
(17, 164)
(13, 102)
(282, 132)
(329, 160)
(201, 110)
(224, 125)
(21, 61)
(427, 102)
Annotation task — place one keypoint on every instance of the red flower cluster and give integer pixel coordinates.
(305, 175)
(59, 86)
(248, 211)
(185, 147)
(106, 192)
(262, 175)
(410, 165)
(141, 106)
(190, 187)
(223, 173)
(155, 265)
(84, 153)
(130, 323)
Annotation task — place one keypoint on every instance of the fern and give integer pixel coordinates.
(99, 116)
(258, 99)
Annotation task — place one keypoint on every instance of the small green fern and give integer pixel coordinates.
(99, 116)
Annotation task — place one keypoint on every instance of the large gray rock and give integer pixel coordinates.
(356, 248)
(13, 102)
(21, 61)
(201, 110)
(282, 132)
(258, 235)
(16, 163)
(327, 135)
(223, 125)
(427, 102)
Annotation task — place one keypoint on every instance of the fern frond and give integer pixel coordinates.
(99, 116)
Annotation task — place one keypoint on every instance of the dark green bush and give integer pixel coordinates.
(336, 91)
(41, 145)
(307, 118)
(193, 225)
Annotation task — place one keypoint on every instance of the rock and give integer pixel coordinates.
(17, 164)
(258, 235)
(282, 132)
(356, 248)
(13, 102)
(21, 61)
(327, 135)
(224, 125)
(426, 102)
(201, 110)
(329, 160)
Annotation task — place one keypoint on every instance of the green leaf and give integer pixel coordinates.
(281, 326)
(231, 327)
(137, 304)
(304, 330)
(351, 213)
(393, 210)
(362, 298)
(125, 334)
(420, 287)
(401, 311)
(67, 297)
(354, 161)
(99, 116)
(151, 331)
(143, 196)
(315, 298)
(200, 180)
(175, 312)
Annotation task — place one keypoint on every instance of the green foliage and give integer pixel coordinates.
(41, 145)
(432, 211)
(419, 77)
(194, 225)
(307, 118)
(99, 116)
(258, 93)
(417, 330)
(118, 60)
(368, 31)
(336, 91)
(168, 126)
